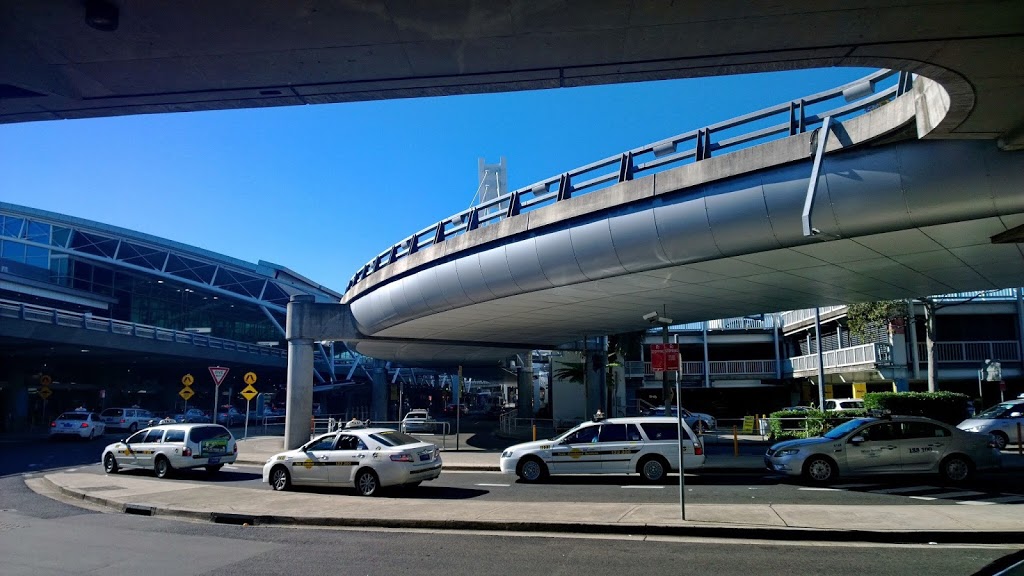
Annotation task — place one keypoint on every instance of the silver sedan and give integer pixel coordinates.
(890, 445)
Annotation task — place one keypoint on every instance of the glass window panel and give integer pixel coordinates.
(13, 251)
(60, 236)
(39, 232)
(37, 256)
(94, 244)
(12, 226)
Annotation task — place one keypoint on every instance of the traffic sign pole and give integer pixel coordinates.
(249, 392)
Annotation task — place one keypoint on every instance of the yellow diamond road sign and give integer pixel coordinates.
(45, 393)
(45, 380)
(186, 393)
(249, 378)
(249, 392)
(187, 380)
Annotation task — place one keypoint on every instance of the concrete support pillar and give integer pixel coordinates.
(1020, 320)
(379, 393)
(524, 386)
(915, 359)
(300, 375)
(596, 379)
(300, 392)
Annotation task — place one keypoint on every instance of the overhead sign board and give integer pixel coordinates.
(249, 378)
(187, 380)
(186, 393)
(218, 373)
(249, 392)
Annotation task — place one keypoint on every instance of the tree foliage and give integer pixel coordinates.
(861, 317)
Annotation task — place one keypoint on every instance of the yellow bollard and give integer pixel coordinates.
(735, 442)
(534, 432)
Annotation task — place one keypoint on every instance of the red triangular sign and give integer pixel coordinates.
(218, 373)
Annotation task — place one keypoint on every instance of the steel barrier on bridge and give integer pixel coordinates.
(779, 121)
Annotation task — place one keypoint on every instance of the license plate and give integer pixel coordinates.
(424, 457)
(66, 425)
(215, 460)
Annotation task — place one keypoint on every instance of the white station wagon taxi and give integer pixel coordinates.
(171, 447)
(365, 458)
(647, 445)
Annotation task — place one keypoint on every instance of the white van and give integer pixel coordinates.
(646, 445)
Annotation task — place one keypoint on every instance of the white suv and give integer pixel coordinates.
(647, 445)
(171, 447)
(130, 419)
(843, 404)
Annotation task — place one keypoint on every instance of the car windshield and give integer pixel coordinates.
(112, 412)
(845, 428)
(392, 438)
(74, 416)
(999, 410)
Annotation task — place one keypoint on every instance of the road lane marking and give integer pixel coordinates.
(952, 495)
(821, 489)
(976, 503)
(904, 489)
(646, 487)
(497, 485)
(922, 498)
(847, 486)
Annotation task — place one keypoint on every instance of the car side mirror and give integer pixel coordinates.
(856, 440)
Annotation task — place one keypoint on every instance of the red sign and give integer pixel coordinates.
(218, 373)
(665, 357)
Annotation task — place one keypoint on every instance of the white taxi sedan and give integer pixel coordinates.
(367, 459)
(78, 423)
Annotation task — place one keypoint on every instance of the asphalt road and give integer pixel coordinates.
(43, 536)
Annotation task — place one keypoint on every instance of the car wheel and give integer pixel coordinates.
(214, 468)
(1001, 439)
(162, 467)
(956, 469)
(133, 428)
(367, 483)
(820, 470)
(531, 470)
(109, 463)
(652, 469)
(279, 479)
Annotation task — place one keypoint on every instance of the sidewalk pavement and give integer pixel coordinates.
(251, 506)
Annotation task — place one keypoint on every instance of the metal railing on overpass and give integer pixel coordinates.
(949, 352)
(877, 354)
(87, 321)
(775, 122)
(717, 368)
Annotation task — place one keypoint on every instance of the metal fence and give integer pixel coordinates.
(945, 352)
(878, 354)
(775, 122)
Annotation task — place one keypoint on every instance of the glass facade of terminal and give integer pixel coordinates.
(138, 282)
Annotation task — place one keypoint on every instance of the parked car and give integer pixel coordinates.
(195, 416)
(695, 420)
(889, 445)
(171, 447)
(79, 423)
(367, 459)
(451, 409)
(418, 421)
(229, 416)
(796, 409)
(1001, 421)
(842, 404)
(130, 419)
(646, 445)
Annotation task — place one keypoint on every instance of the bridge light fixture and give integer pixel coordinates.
(859, 90)
(664, 148)
(101, 15)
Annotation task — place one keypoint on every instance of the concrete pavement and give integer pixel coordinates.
(233, 505)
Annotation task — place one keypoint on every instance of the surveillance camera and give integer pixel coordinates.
(663, 320)
(650, 316)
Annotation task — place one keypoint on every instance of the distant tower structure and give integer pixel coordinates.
(493, 179)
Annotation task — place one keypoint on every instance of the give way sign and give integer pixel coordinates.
(218, 373)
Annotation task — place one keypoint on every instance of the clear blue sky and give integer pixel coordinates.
(322, 189)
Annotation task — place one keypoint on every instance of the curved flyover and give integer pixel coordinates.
(705, 235)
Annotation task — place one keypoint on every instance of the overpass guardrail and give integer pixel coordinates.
(774, 122)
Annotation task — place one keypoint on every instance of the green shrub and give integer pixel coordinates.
(783, 425)
(948, 407)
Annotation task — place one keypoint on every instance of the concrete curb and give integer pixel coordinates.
(745, 532)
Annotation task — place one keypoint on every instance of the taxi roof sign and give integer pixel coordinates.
(249, 392)
(218, 373)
